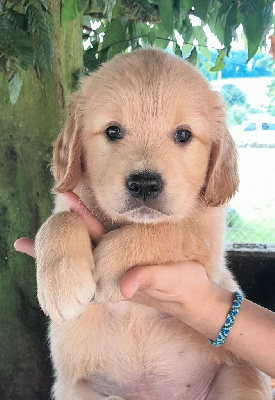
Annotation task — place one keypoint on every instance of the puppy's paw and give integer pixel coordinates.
(107, 291)
(64, 267)
(68, 290)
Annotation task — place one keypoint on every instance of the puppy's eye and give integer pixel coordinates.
(182, 135)
(114, 133)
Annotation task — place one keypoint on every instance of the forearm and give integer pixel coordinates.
(252, 336)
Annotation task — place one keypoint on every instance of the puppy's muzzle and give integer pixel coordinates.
(144, 185)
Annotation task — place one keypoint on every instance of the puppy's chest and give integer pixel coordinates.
(153, 362)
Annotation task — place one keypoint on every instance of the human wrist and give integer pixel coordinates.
(218, 305)
(207, 309)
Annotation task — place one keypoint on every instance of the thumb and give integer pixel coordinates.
(162, 278)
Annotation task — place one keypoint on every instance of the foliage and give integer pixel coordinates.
(237, 114)
(137, 28)
(25, 30)
(25, 40)
(233, 95)
(236, 103)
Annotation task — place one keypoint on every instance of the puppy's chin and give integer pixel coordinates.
(144, 215)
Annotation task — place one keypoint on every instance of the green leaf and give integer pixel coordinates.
(86, 20)
(90, 58)
(142, 29)
(15, 85)
(100, 3)
(253, 24)
(225, 7)
(219, 60)
(186, 48)
(219, 30)
(39, 27)
(189, 34)
(152, 36)
(71, 9)
(108, 11)
(15, 42)
(230, 26)
(186, 5)
(166, 15)
(162, 37)
(200, 35)
(116, 9)
(205, 51)
(213, 15)
(248, 7)
(268, 16)
(177, 50)
(193, 58)
(201, 8)
(115, 37)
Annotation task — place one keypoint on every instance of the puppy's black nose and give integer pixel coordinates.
(144, 185)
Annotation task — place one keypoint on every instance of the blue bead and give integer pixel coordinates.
(229, 321)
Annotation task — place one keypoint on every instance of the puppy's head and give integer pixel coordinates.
(149, 137)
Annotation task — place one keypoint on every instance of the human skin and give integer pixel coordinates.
(185, 291)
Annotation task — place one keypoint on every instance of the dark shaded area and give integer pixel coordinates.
(255, 271)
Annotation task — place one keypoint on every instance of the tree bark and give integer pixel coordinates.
(27, 131)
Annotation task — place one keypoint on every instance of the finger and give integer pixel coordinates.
(95, 229)
(147, 299)
(161, 278)
(25, 245)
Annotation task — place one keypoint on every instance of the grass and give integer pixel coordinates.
(242, 230)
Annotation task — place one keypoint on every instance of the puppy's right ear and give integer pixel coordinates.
(66, 165)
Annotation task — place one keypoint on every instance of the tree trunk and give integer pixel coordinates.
(27, 131)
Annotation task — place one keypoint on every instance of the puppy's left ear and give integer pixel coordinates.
(222, 178)
(66, 164)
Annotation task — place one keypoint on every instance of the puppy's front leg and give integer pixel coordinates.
(133, 245)
(64, 266)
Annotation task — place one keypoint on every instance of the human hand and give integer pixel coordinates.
(175, 288)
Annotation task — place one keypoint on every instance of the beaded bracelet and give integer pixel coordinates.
(229, 321)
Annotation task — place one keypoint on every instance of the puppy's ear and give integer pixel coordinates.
(66, 165)
(222, 179)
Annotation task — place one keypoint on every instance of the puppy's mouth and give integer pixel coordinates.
(139, 211)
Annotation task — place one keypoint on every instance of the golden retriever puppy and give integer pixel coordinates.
(146, 148)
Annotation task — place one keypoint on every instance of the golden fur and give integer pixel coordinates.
(111, 349)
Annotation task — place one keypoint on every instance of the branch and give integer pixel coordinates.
(157, 37)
